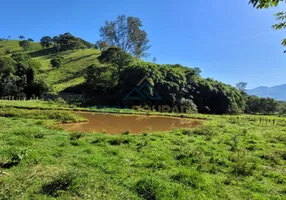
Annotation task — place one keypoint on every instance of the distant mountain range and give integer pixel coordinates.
(276, 92)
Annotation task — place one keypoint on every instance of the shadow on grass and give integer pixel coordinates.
(43, 52)
(73, 76)
(77, 59)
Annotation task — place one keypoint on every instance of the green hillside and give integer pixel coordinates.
(70, 74)
(75, 59)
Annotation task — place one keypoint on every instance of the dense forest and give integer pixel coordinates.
(118, 70)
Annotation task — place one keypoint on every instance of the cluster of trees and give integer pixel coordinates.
(255, 105)
(65, 42)
(177, 85)
(18, 77)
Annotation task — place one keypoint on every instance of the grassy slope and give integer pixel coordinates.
(228, 158)
(70, 74)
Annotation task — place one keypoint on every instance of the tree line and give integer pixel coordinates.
(122, 43)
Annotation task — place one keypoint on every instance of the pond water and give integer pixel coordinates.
(116, 124)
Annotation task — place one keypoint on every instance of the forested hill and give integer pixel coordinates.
(106, 77)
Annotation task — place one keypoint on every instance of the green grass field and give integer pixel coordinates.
(68, 75)
(230, 157)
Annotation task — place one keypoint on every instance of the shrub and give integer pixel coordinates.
(7, 51)
(18, 57)
(57, 62)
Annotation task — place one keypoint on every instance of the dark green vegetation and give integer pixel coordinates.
(228, 158)
(65, 42)
(18, 77)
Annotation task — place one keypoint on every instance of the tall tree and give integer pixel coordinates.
(241, 86)
(126, 33)
(25, 44)
(46, 42)
(21, 37)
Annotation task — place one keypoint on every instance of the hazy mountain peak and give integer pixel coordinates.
(277, 92)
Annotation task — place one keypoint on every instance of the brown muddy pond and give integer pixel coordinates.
(117, 124)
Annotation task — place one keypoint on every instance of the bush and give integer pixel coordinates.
(18, 57)
(57, 62)
(7, 51)
(189, 105)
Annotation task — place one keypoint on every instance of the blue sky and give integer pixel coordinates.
(228, 39)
